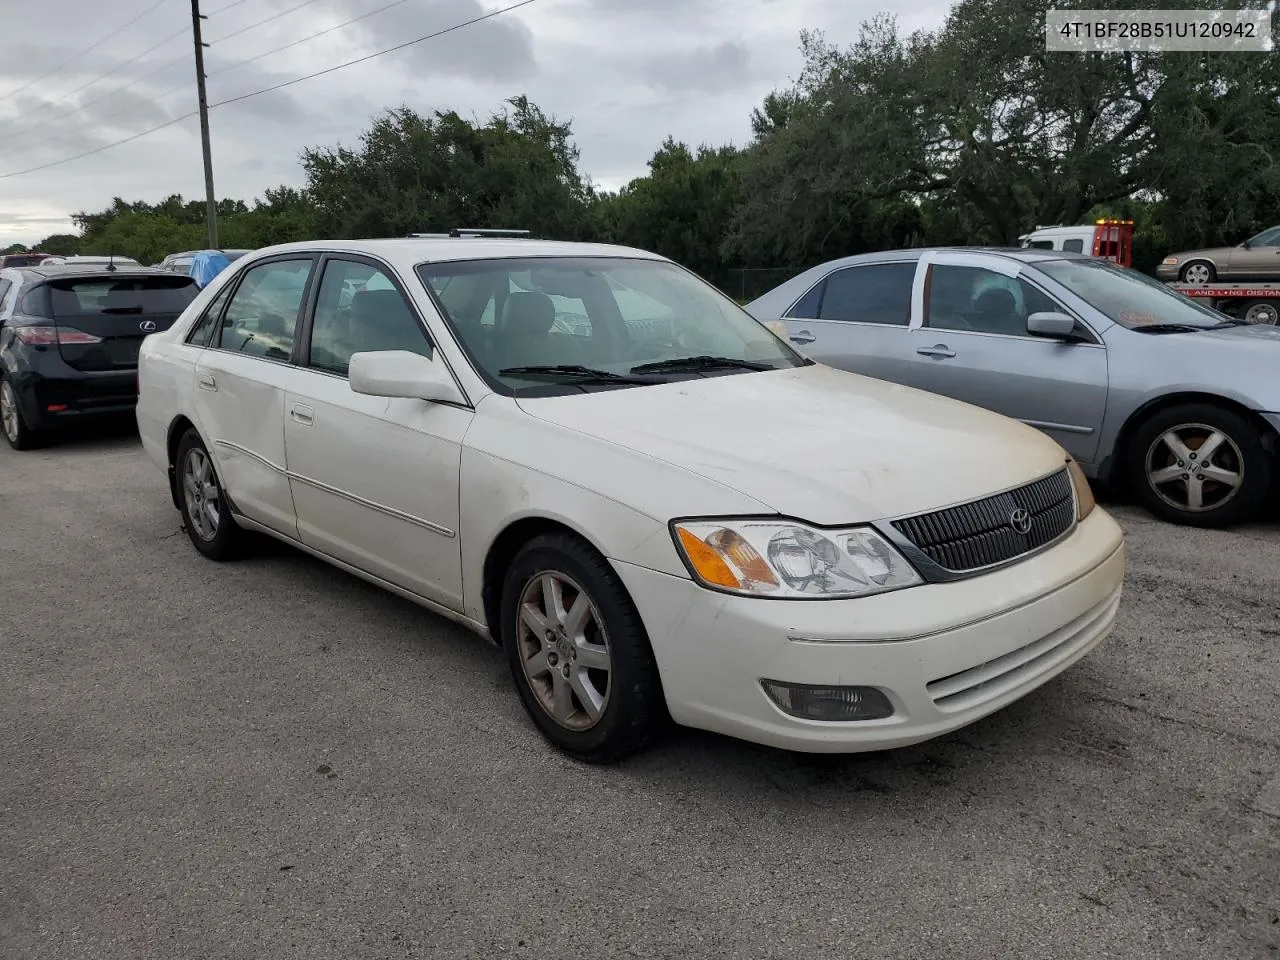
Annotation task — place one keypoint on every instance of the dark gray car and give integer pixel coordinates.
(1140, 384)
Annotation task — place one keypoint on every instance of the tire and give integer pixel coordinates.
(15, 429)
(632, 711)
(1204, 270)
(1239, 451)
(213, 532)
(1261, 311)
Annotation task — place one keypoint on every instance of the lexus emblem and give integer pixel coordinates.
(147, 326)
(1020, 520)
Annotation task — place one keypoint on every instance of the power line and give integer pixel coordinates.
(112, 71)
(106, 96)
(86, 50)
(253, 26)
(318, 33)
(214, 13)
(279, 86)
(351, 63)
(182, 86)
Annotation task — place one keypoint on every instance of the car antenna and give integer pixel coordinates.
(111, 260)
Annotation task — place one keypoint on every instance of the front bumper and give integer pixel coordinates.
(1168, 271)
(944, 654)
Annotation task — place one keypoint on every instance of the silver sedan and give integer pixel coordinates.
(1144, 387)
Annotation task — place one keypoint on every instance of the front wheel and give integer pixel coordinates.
(1198, 273)
(578, 651)
(205, 516)
(1200, 465)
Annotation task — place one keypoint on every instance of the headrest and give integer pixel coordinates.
(528, 314)
(996, 301)
(370, 306)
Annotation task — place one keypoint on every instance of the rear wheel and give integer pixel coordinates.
(1200, 465)
(578, 651)
(16, 431)
(205, 516)
(1261, 311)
(1199, 272)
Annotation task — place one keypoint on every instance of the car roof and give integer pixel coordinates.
(73, 270)
(409, 251)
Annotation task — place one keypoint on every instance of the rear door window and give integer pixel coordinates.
(263, 314)
(875, 293)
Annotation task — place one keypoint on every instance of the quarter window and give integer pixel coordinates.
(1075, 245)
(980, 300)
(202, 332)
(263, 312)
(877, 293)
(4, 292)
(360, 310)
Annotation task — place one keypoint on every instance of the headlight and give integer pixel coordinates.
(1170, 261)
(788, 560)
(1084, 493)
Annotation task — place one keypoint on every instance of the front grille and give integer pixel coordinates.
(981, 533)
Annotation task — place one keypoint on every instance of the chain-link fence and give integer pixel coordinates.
(744, 284)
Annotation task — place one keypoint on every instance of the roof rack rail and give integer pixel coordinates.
(485, 232)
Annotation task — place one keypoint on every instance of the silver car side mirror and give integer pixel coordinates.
(1051, 324)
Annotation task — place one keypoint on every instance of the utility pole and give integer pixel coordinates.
(210, 200)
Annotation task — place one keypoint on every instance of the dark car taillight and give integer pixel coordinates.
(49, 336)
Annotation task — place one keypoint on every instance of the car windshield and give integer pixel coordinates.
(156, 294)
(564, 323)
(1128, 297)
(1267, 238)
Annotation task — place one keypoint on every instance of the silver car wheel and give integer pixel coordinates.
(1262, 313)
(9, 411)
(564, 650)
(1197, 274)
(200, 494)
(1195, 467)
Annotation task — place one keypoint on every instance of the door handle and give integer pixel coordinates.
(303, 414)
(802, 336)
(206, 382)
(938, 351)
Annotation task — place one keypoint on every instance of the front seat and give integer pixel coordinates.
(997, 311)
(380, 320)
(524, 339)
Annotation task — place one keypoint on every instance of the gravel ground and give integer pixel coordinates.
(273, 759)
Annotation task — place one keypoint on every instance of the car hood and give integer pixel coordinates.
(814, 442)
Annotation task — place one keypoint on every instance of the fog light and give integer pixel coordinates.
(828, 703)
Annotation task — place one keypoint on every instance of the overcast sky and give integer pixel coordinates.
(626, 72)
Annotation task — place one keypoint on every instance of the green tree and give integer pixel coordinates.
(414, 173)
(681, 210)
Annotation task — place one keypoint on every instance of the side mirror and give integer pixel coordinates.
(1060, 326)
(399, 373)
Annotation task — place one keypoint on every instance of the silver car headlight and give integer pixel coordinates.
(788, 560)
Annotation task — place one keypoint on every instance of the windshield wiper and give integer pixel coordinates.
(1230, 322)
(576, 372)
(1168, 328)
(701, 363)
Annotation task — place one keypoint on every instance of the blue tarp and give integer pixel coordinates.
(207, 265)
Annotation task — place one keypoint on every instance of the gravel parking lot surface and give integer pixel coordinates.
(272, 759)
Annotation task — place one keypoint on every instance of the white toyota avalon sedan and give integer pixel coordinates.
(655, 506)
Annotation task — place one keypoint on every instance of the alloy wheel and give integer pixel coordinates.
(564, 650)
(9, 411)
(1195, 467)
(1197, 273)
(200, 492)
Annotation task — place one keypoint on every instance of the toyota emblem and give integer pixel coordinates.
(147, 326)
(1020, 520)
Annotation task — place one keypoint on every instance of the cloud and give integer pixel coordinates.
(626, 72)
